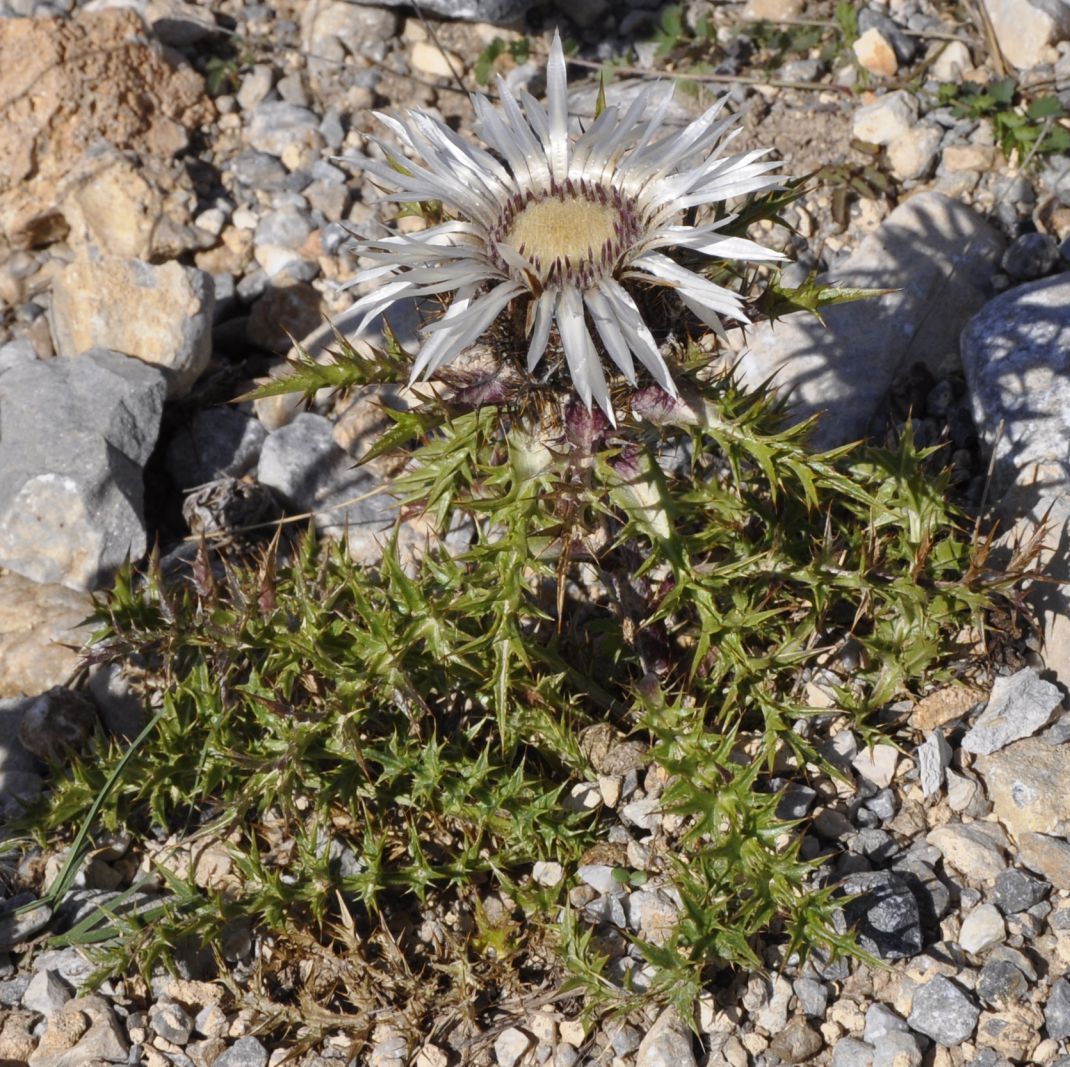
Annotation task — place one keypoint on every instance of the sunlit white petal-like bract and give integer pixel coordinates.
(560, 222)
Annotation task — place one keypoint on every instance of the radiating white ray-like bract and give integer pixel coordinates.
(565, 223)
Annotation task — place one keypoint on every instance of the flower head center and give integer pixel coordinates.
(572, 233)
(575, 229)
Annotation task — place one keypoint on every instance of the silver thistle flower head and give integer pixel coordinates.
(564, 223)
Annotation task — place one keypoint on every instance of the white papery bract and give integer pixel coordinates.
(564, 223)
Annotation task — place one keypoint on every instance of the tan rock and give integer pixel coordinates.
(1026, 782)
(938, 708)
(970, 850)
(959, 157)
(85, 1030)
(875, 53)
(231, 256)
(159, 314)
(434, 62)
(1049, 856)
(16, 1036)
(1013, 1032)
(41, 629)
(119, 206)
(772, 10)
(66, 84)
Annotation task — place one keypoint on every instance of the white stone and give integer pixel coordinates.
(1024, 29)
(583, 796)
(510, 1045)
(982, 929)
(667, 1043)
(212, 220)
(546, 872)
(952, 62)
(962, 792)
(886, 118)
(934, 756)
(877, 764)
(912, 154)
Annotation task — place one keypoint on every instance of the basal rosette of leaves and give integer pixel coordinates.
(383, 755)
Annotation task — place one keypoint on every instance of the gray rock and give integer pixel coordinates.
(1057, 1010)
(245, 1052)
(796, 802)
(667, 1043)
(625, 1039)
(46, 993)
(813, 996)
(932, 895)
(276, 124)
(18, 351)
(16, 926)
(881, 1020)
(119, 701)
(934, 757)
(75, 436)
(287, 228)
(19, 779)
(1017, 891)
(652, 914)
(1019, 706)
(12, 989)
(599, 876)
(1030, 256)
(216, 443)
(944, 1011)
(851, 1052)
(885, 915)
(171, 1021)
(1001, 983)
(899, 1049)
(255, 86)
(939, 255)
(56, 723)
(1016, 355)
(258, 170)
(69, 963)
(310, 472)
(796, 1043)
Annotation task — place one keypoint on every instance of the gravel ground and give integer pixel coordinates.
(952, 833)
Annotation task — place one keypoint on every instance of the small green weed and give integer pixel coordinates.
(1023, 129)
(484, 66)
